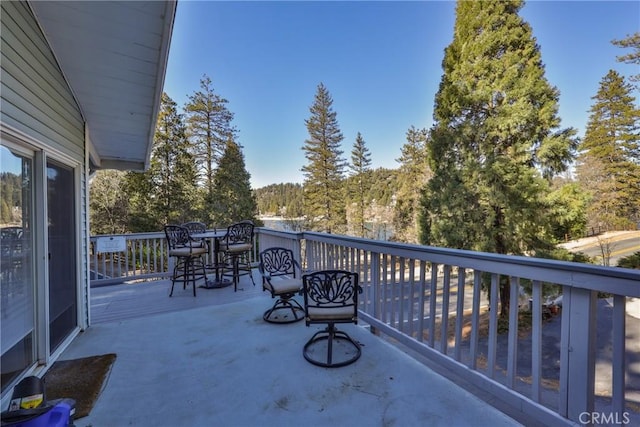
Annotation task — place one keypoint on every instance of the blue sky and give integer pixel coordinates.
(381, 62)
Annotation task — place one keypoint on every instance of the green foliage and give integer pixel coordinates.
(232, 198)
(108, 203)
(568, 205)
(609, 164)
(413, 175)
(167, 192)
(11, 190)
(324, 205)
(631, 261)
(630, 42)
(280, 199)
(495, 141)
(358, 186)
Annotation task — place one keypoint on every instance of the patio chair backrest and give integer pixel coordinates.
(241, 232)
(177, 236)
(195, 227)
(278, 262)
(331, 295)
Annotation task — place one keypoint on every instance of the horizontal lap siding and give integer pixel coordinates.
(37, 100)
(35, 96)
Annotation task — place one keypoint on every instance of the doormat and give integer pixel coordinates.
(80, 379)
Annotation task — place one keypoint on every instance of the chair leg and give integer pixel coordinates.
(236, 272)
(173, 279)
(193, 275)
(330, 334)
(176, 277)
(285, 305)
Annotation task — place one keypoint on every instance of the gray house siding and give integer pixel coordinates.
(35, 97)
(37, 101)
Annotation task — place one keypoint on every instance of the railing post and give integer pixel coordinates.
(577, 358)
(375, 285)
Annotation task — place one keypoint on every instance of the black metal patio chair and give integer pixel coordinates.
(236, 247)
(331, 297)
(189, 265)
(278, 270)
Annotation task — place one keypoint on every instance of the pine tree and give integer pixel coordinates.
(631, 42)
(167, 192)
(209, 128)
(609, 165)
(324, 204)
(234, 200)
(359, 183)
(413, 175)
(494, 143)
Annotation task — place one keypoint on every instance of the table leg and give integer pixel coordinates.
(219, 281)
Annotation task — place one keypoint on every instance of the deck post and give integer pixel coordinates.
(577, 358)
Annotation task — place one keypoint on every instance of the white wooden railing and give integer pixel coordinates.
(399, 281)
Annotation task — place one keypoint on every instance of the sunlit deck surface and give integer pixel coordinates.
(212, 360)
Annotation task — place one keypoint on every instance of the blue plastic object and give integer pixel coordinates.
(59, 415)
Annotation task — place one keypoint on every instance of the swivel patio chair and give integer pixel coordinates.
(331, 296)
(189, 266)
(236, 247)
(278, 270)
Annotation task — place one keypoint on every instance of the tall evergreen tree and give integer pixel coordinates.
(324, 204)
(209, 128)
(234, 200)
(167, 192)
(494, 143)
(413, 175)
(360, 183)
(609, 164)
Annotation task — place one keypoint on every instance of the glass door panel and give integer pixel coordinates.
(62, 252)
(17, 306)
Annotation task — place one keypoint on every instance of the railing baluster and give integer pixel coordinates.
(385, 290)
(378, 299)
(402, 282)
(444, 317)
(512, 352)
(147, 249)
(421, 288)
(459, 314)
(433, 296)
(618, 364)
(493, 325)
(536, 340)
(411, 297)
(475, 319)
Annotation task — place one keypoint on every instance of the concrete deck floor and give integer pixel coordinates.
(222, 365)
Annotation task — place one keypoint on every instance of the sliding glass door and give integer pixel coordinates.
(62, 252)
(17, 283)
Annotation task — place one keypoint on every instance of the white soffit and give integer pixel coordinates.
(114, 56)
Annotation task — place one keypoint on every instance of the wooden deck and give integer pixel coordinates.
(132, 300)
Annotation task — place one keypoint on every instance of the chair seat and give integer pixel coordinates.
(283, 286)
(316, 314)
(238, 247)
(187, 251)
